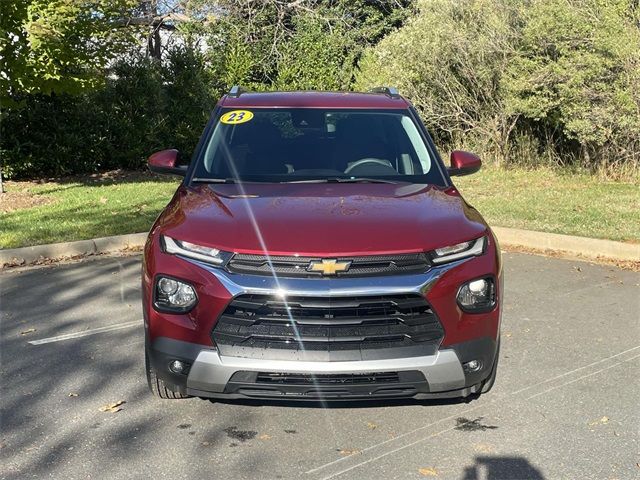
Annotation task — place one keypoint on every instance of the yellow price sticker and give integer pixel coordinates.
(236, 117)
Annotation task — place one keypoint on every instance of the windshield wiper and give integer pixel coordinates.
(214, 180)
(342, 180)
(312, 180)
(364, 180)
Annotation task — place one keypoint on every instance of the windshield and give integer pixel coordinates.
(298, 144)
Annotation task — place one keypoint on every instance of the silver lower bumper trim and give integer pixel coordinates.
(211, 372)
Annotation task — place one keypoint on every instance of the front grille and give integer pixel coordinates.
(328, 328)
(323, 379)
(291, 266)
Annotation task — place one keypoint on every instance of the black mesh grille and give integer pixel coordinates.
(329, 386)
(342, 328)
(333, 379)
(290, 266)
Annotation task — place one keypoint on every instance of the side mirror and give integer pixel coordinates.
(464, 163)
(166, 162)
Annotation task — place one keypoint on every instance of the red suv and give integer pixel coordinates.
(317, 249)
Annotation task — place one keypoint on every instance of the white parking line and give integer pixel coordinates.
(85, 333)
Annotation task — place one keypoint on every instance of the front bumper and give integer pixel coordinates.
(432, 376)
(436, 371)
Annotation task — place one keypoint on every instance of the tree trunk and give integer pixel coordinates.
(154, 41)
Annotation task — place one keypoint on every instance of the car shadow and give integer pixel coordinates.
(502, 468)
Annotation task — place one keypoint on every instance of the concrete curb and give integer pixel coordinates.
(569, 245)
(64, 250)
(508, 237)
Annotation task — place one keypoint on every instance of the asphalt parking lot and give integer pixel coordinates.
(565, 404)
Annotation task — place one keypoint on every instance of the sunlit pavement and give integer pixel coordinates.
(565, 404)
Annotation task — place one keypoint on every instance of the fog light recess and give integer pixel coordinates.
(174, 296)
(178, 366)
(477, 295)
(472, 366)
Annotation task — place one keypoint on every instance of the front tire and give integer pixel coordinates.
(157, 386)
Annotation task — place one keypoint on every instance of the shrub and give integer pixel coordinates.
(318, 57)
(577, 70)
(554, 81)
(448, 60)
(143, 107)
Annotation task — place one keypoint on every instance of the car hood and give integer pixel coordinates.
(320, 219)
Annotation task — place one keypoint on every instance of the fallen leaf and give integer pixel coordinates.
(428, 472)
(345, 452)
(371, 425)
(103, 200)
(27, 331)
(265, 436)
(483, 448)
(72, 394)
(604, 419)
(112, 407)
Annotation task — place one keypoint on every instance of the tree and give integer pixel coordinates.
(449, 60)
(58, 46)
(266, 44)
(318, 57)
(553, 77)
(578, 70)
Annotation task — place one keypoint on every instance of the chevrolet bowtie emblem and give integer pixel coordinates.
(328, 267)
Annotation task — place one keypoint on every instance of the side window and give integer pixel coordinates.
(417, 143)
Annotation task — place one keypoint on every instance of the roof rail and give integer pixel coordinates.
(235, 91)
(390, 91)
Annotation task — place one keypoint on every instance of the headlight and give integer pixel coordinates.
(458, 251)
(197, 252)
(174, 296)
(477, 295)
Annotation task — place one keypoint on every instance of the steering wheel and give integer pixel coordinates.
(376, 161)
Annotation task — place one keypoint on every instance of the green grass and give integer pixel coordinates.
(551, 201)
(85, 209)
(544, 200)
